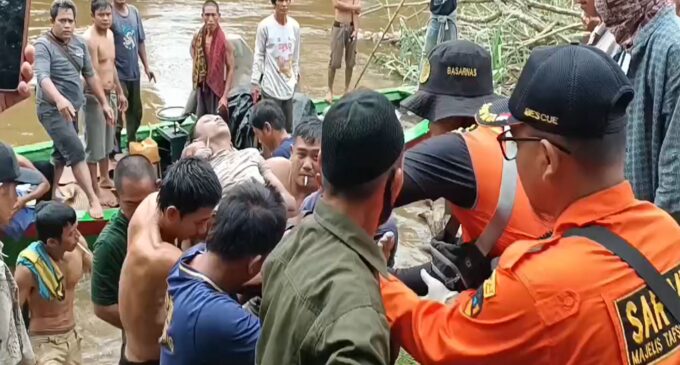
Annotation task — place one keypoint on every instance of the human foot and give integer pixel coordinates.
(106, 199)
(329, 97)
(95, 210)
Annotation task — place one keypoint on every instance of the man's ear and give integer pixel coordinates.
(266, 127)
(550, 160)
(173, 214)
(158, 184)
(52, 242)
(255, 265)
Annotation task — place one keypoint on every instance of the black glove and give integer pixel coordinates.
(458, 266)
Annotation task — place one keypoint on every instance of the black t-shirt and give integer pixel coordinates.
(442, 7)
(440, 167)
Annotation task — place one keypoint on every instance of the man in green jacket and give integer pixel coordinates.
(321, 298)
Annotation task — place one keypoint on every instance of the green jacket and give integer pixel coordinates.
(321, 297)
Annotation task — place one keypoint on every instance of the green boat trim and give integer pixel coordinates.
(90, 228)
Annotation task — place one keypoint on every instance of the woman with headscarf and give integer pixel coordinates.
(649, 31)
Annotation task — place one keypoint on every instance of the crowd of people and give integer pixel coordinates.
(565, 195)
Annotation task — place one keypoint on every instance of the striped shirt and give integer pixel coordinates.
(653, 141)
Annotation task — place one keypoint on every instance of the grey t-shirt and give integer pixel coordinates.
(52, 63)
(128, 33)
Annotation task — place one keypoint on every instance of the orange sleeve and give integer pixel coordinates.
(498, 323)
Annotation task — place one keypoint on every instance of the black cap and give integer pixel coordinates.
(10, 170)
(361, 139)
(455, 81)
(572, 90)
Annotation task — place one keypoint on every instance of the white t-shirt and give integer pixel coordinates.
(276, 63)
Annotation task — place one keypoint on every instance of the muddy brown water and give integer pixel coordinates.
(169, 26)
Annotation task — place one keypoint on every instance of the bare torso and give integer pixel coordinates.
(342, 16)
(56, 317)
(143, 283)
(103, 51)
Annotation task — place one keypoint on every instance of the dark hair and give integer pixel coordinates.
(61, 5)
(268, 111)
(211, 2)
(309, 129)
(189, 184)
(135, 168)
(250, 222)
(50, 219)
(100, 5)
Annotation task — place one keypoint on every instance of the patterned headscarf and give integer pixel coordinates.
(625, 18)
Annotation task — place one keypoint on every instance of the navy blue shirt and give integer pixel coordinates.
(204, 324)
(285, 149)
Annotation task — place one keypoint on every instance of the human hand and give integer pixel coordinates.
(436, 290)
(9, 99)
(386, 244)
(19, 205)
(108, 114)
(458, 266)
(66, 109)
(150, 75)
(255, 93)
(122, 103)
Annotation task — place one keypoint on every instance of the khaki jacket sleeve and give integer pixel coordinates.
(496, 324)
(359, 337)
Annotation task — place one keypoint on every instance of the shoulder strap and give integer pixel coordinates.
(624, 250)
(64, 51)
(506, 202)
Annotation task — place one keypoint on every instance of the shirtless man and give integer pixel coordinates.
(298, 174)
(52, 327)
(181, 210)
(343, 38)
(99, 135)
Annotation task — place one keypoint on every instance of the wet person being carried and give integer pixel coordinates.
(321, 299)
(213, 64)
(61, 59)
(181, 210)
(47, 273)
(99, 135)
(205, 325)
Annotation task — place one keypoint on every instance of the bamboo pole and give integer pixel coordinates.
(375, 48)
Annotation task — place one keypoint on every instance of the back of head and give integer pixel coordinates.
(267, 111)
(362, 142)
(51, 217)
(309, 130)
(250, 221)
(189, 185)
(135, 168)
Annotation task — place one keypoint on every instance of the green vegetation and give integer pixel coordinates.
(510, 29)
(405, 359)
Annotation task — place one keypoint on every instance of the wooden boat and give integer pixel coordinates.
(90, 228)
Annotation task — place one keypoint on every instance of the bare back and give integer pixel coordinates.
(56, 317)
(143, 283)
(103, 53)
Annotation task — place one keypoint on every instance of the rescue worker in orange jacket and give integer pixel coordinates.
(483, 191)
(573, 298)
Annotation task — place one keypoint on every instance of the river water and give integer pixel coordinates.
(169, 26)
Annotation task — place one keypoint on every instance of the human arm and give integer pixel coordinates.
(355, 20)
(36, 193)
(503, 327)
(440, 167)
(358, 337)
(667, 196)
(25, 282)
(296, 54)
(258, 59)
(229, 63)
(85, 253)
(106, 266)
(346, 5)
(9, 99)
(120, 93)
(289, 200)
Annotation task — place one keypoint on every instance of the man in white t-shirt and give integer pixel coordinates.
(276, 62)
